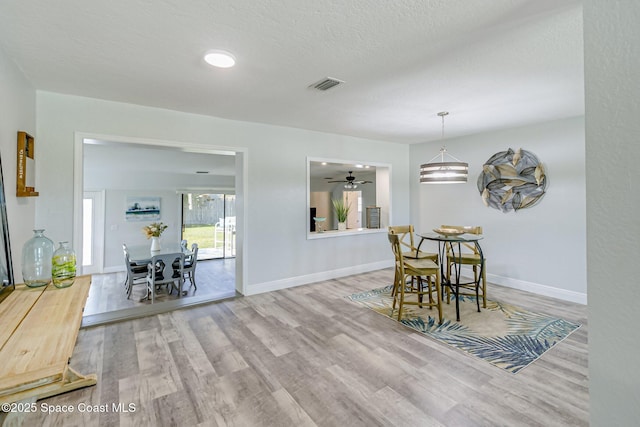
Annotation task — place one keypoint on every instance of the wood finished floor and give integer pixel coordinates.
(214, 278)
(307, 356)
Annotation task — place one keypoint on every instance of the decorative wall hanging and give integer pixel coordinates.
(512, 180)
(26, 171)
(142, 208)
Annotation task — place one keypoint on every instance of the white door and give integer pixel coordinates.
(92, 232)
(353, 199)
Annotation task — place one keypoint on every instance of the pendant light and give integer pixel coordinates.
(444, 172)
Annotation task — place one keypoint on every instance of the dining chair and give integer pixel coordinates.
(136, 274)
(409, 250)
(469, 256)
(165, 269)
(190, 263)
(406, 268)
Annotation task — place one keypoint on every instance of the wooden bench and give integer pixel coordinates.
(38, 332)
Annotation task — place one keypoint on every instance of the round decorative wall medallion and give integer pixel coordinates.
(512, 180)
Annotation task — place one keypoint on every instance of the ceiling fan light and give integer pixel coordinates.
(350, 182)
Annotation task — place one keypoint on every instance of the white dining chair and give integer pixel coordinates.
(190, 263)
(165, 269)
(136, 274)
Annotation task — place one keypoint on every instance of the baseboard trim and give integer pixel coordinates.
(523, 285)
(114, 269)
(536, 288)
(291, 282)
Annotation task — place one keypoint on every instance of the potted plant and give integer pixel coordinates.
(342, 211)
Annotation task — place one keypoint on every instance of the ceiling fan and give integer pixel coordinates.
(351, 181)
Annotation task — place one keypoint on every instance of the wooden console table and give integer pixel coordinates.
(38, 332)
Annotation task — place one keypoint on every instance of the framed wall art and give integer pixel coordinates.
(142, 208)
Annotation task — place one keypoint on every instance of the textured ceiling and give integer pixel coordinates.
(492, 64)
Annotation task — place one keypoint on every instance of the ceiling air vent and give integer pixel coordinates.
(326, 83)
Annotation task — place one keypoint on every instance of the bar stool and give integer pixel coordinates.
(415, 269)
(470, 257)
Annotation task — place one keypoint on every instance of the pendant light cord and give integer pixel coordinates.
(443, 149)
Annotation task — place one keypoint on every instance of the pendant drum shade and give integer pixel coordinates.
(444, 172)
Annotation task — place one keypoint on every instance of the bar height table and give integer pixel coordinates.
(454, 243)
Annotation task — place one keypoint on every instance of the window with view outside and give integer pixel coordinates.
(210, 221)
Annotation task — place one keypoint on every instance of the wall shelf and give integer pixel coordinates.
(26, 171)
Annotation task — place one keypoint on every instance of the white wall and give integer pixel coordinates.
(158, 180)
(119, 231)
(117, 166)
(612, 64)
(540, 249)
(278, 253)
(17, 112)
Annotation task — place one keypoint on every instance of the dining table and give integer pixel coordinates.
(454, 243)
(142, 254)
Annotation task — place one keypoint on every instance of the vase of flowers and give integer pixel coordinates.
(153, 231)
(155, 244)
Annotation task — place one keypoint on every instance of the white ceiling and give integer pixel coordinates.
(492, 63)
(339, 171)
(109, 157)
(320, 173)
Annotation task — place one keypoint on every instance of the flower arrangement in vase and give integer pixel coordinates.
(153, 231)
(342, 211)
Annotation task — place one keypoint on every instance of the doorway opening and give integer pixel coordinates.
(100, 228)
(210, 220)
(92, 232)
(353, 199)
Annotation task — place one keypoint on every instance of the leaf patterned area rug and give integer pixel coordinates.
(507, 336)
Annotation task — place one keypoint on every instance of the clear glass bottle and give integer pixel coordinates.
(63, 266)
(37, 253)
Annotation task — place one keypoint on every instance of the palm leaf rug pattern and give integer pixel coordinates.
(507, 336)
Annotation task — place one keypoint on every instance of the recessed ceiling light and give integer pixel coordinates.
(220, 59)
